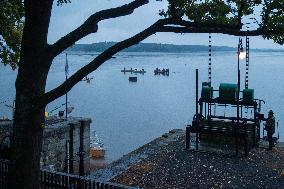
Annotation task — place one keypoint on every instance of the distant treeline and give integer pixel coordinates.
(155, 47)
(149, 47)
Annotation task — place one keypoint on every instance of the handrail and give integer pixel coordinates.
(59, 180)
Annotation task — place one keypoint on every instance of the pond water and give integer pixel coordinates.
(127, 115)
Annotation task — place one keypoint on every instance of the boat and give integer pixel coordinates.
(163, 71)
(97, 150)
(142, 71)
(132, 79)
(134, 70)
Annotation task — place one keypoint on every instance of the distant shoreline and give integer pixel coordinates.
(155, 47)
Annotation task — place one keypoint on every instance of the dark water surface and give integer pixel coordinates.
(127, 115)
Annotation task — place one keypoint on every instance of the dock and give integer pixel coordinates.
(133, 70)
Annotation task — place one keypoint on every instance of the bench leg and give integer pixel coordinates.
(237, 145)
(246, 142)
(196, 141)
(187, 138)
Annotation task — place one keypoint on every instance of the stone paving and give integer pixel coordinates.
(163, 163)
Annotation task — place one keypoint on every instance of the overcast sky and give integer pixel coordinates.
(69, 16)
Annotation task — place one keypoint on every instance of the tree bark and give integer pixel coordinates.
(30, 85)
(35, 62)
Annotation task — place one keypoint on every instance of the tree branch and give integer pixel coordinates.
(185, 26)
(240, 14)
(187, 23)
(91, 25)
(182, 29)
(99, 60)
(163, 25)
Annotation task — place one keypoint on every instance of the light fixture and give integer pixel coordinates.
(242, 52)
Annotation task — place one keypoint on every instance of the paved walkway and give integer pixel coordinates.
(169, 166)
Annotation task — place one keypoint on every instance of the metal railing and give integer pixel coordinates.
(58, 180)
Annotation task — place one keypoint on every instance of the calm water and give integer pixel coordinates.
(127, 115)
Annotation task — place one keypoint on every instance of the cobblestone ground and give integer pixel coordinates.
(172, 167)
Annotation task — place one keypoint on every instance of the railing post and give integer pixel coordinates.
(71, 149)
(81, 149)
(54, 180)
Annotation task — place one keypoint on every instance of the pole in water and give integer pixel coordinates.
(66, 77)
(277, 130)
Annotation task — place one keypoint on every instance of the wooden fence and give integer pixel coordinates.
(58, 180)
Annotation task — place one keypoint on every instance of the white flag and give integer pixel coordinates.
(66, 66)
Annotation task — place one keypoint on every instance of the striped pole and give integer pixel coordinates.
(210, 60)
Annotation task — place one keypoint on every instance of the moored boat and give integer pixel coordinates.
(132, 79)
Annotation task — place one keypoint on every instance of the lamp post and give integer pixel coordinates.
(241, 55)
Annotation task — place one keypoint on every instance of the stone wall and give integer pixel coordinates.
(56, 138)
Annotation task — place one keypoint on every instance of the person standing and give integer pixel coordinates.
(270, 128)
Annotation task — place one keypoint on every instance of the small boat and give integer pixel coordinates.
(96, 147)
(125, 70)
(162, 71)
(132, 79)
(97, 152)
(142, 71)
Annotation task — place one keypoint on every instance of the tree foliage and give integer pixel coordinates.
(263, 15)
(11, 29)
(273, 19)
(11, 26)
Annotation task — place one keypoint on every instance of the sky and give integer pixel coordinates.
(67, 17)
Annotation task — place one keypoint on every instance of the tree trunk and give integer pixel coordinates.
(28, 125)
(27, 144)
(30, 85)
